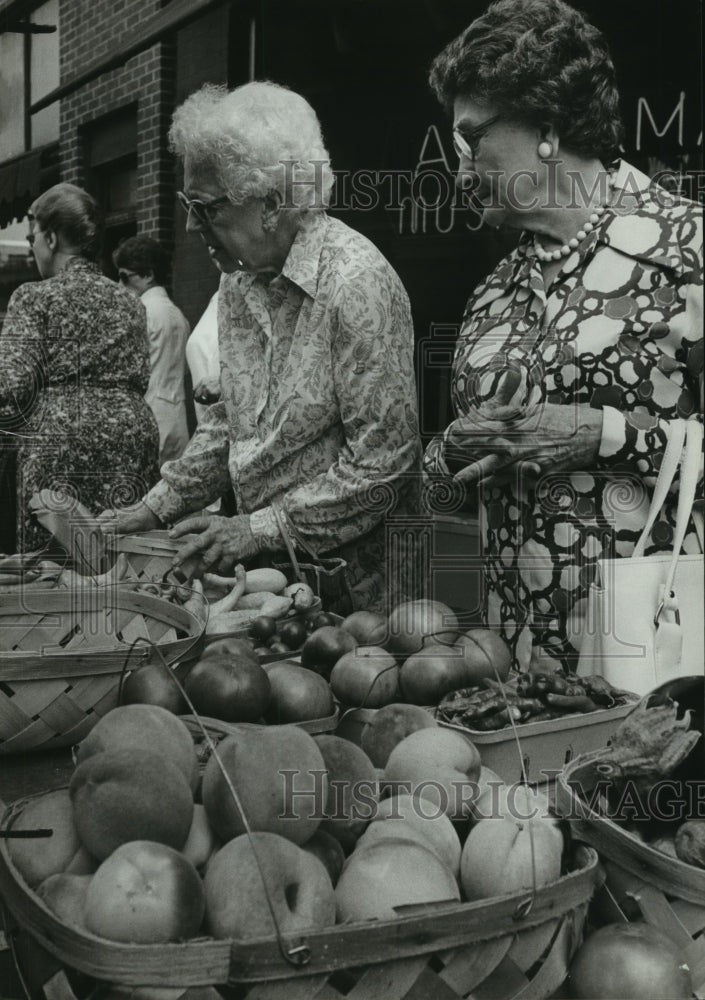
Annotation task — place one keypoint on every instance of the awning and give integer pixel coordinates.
(175, 15)
(23, 178)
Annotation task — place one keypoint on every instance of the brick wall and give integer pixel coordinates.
(91, 29)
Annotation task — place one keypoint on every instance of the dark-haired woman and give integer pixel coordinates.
(74, 367)
(584, 345)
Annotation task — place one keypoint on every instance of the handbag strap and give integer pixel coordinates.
(669, 467)
(690, 469)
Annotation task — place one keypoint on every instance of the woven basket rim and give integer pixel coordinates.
(672, 875)
(441, 926)
(125, 596)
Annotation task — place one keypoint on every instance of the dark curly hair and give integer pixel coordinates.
(541, 63)
(73, 214)
(142, 254)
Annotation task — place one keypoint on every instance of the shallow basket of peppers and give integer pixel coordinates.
(552, 717)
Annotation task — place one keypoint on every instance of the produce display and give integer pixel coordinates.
(527, 697)
(133, 857)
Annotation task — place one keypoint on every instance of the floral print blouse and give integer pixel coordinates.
(619, 328)
(318, 403)
(74, 367)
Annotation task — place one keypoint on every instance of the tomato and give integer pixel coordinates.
(153, 684)
(298, 694)
(629, 960)
(263, 628)
(367, 627)
(324, 647)
(292, 633)
(432, 672)
(366, 677)
(228, 689)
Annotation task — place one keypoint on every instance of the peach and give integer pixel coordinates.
(299, 888)
(390, 725)
(327, 849)
(38, 858)
(280, 778)
(144, 727)
(65, 895)
(352, 789)
(422, 815)
(441, 765)
(146, 893)
(201, 841)
(388, 873)
(123, 795)
(505, 855)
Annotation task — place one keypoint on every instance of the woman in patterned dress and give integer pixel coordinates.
(583, 345)
(74, 367)
(316, 427)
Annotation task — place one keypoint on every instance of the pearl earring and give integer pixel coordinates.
(545, 149)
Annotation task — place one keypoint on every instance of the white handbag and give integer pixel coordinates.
(644, 622)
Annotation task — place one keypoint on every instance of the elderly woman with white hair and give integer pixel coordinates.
(316, 427)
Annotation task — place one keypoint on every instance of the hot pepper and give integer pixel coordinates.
(572, 703)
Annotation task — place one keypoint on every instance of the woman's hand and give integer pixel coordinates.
(221, 543)
(125, 520)
(551, 438)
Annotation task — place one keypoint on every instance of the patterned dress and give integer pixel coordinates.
(74, 367)
(619, 328)
(318, 406)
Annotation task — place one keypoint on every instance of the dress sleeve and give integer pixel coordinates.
(634, 441)
(200, 476)
(379, 461)
(21, 358)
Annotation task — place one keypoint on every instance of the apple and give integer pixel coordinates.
(280, 777)
(388, 873)
(145, 893)
(432, 672)
(297, 694)
(366, 677)
(485, 654)
(390, 725)
(153, 684)
(422, 815)
(299, 887)
(233, 689)
(327, 849)
(416, 623)
(368, 627)
(441, 765)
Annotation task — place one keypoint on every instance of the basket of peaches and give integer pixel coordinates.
(292, 866)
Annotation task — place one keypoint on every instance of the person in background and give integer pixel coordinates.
(74, 368)
(584, 345)
(317, 423)
(143, 267)
(203, 359)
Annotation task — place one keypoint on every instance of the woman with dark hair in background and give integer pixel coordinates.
(74, 368)
(581, 349)
(143, 268)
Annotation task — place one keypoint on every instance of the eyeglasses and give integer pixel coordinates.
(124, 276)
(466, 141)
(203, 210)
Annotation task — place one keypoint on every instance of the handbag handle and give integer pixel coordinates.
(690, 467)
(667, 472)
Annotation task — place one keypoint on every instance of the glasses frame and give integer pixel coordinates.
(465, 141)
(201, 209)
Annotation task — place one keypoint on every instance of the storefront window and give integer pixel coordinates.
(44, 74)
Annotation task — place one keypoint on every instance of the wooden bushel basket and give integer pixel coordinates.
(507, 947)
(640, 880)
(62, 653)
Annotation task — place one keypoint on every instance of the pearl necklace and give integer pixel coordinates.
(564, 251)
